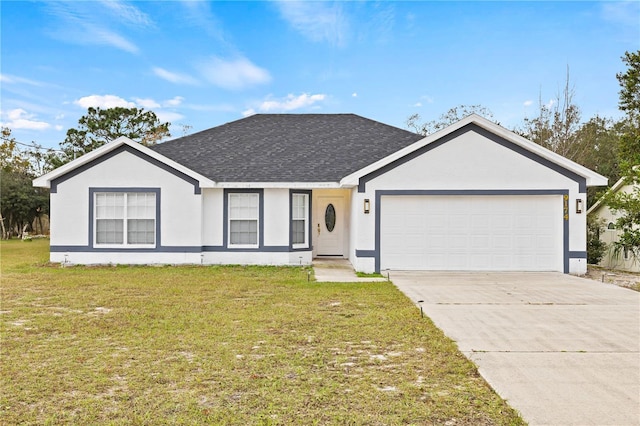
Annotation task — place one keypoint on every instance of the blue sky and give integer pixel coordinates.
(201, 64)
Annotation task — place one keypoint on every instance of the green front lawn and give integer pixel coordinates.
(222, 345)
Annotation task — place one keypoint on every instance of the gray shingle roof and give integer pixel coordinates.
(287, 147)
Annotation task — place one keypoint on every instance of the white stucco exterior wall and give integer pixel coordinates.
(191, 224)
(276, 217)
(469, 162)
(180, 209)
(212, 216)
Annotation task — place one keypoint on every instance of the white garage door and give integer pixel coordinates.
(472, 233)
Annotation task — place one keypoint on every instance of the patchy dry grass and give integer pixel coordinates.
(626, 279)
(222, 345)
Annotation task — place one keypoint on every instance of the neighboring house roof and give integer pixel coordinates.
(622, 182)
(287, 147)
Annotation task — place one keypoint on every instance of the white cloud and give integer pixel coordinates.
(622, 12)
(248, 112)
(551, 103)
(59, 127)
(12, 79)
(233, 74)
(177, 100)
(20, 119)
(128, 13)
(104, 36)
(103, 101)
(528, 103)
(417, 104)
(198, 14)
(174, 77)
(147, 103)
(168, 116)
(81, 23)
(289, 103)
(354, 95)
(318, 21)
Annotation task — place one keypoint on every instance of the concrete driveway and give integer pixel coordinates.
(560, 349)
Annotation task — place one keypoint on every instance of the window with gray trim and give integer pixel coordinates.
(300, 220)
(244, 215)
(125, 218)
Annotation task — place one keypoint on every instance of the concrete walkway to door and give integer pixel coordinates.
(560, 349)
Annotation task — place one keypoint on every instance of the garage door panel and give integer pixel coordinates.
(471, 233)
(480, 241)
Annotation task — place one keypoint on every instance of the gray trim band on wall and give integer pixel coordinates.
(119, 150)
(582, 182)
(577, 254)
(382, 192)
(171, 249)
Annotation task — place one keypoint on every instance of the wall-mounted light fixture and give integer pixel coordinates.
(367, 206)
(579, 206)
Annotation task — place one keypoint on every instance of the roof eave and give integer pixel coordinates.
(592, 178)
(281, 185)
(44, 181)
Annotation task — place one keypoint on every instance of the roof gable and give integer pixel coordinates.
(287, 147)
(492, 131)
(122, 144)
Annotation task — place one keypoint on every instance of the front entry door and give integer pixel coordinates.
(329, 226)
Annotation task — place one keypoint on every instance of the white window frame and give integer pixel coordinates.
(304, 217)
(236, 197)
(125, 218)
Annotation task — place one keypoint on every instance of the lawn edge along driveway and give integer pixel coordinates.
(560, 349)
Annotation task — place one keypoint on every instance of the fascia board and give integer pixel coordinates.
(592, 178)
(44, 181)
(354, 177)
(291, 185)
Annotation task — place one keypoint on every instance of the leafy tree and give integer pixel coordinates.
(596, 147)
(629, 148)
(100, 126)
(595, 246)
(446, 119)
(11, 158)
(628, 204)
(20, 202)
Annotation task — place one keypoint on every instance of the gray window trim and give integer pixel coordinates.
(309, 233)
(92, 246)
(225, 228)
